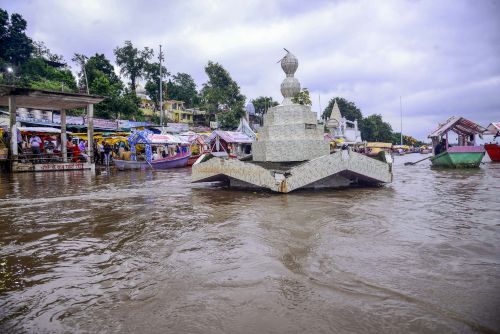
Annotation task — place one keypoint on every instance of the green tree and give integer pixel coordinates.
(221, 96)
(183, 88)
(407, 140)
(348, 109)
(15, 46)
(262, 104)
(38, 73)
(152, 87)
(373, 128)
(132, 62)
(99, 64)
(302, 97)
(120, 102)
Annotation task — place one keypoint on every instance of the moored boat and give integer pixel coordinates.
(180, 160)
(175, 152)
(425, 149)
(493, 148)
(459, 157)
(464, 155)
(373, 149)
(198, 145)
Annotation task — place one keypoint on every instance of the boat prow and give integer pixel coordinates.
(493, 151)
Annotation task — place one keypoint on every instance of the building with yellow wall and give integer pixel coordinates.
(177, 113)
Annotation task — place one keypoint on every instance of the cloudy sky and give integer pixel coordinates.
(441, 56)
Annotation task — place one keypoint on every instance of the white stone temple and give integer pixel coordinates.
(342, 128)
(291, 153)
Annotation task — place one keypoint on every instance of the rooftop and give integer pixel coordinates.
(46, 99)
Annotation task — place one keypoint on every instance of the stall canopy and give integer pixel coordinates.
(230, 136)
(192, 138)
(493, 129)
(459, 125)
(39, 129)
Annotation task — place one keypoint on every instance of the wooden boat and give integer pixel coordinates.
(464, 155)
(493, 148)
(459, 157)
(177, 161)
(425, 150)
(198, 145)
(178, 155)
(373, 149)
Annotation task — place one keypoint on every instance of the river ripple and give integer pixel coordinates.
(148, 252)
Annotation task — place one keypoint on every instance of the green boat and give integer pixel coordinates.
(458, 159)
(464, 155)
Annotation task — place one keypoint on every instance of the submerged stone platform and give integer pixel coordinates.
(291, 153)
(340, 169)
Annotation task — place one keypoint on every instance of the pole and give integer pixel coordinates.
(401, 109)
(90, 132)
(64, 150)
(319, 101)
(161, 94)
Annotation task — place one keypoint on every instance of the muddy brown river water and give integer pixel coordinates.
(148, 252)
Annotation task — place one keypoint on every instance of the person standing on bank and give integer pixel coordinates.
(107, 152)
(100, 149)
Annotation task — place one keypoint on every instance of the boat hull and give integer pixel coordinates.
(493, 151)
(192, 159)
(166, 163)
(458, 159)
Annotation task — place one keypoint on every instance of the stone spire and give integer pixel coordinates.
(335, 117)
(290, 85)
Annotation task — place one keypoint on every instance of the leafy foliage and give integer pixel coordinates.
(263, 103)
(407, 140)
(102, 80)
(37, 73)
(221, 96)
(348, 109)
(373, 128)
(152, 74)
(15, 46)
(132, 62)
(302, 97)
(183, 88)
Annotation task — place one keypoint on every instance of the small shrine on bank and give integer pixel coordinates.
(291, 153)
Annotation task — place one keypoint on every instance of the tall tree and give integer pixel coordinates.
(221, 96)
(302, 97)
(373, 128)
(132, 62)
(152, 87)
(348, 109)
(262, 104)
(15, 46)
(183, 88)
(102, 80)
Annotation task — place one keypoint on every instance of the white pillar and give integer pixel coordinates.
(13, 127)
(90, 131)
(64, 150)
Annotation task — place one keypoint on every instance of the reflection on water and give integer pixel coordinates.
(150, 252)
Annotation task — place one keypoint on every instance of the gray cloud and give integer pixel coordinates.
(442, 57)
